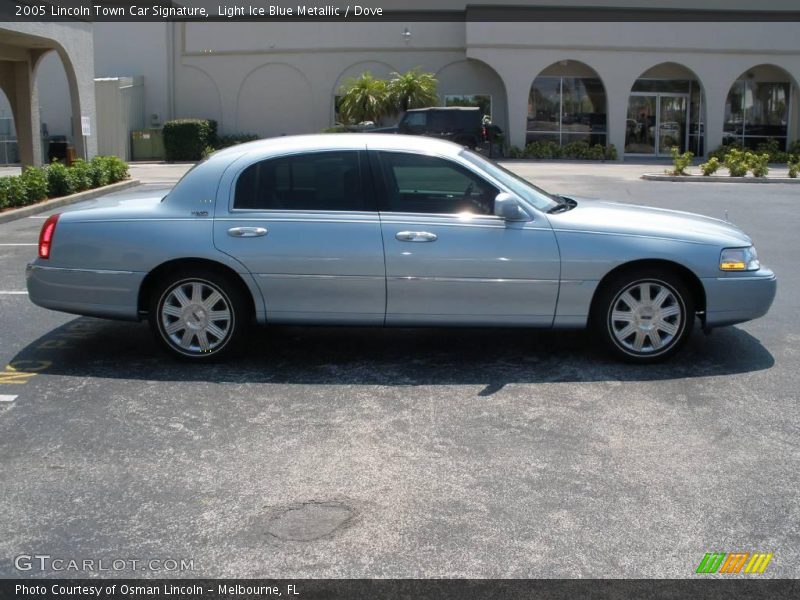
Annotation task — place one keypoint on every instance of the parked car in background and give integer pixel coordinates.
(463, 125)
(392, 230)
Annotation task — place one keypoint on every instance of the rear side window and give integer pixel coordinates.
(315, 181)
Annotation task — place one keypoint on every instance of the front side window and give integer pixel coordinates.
(315, 181)
(428, 184)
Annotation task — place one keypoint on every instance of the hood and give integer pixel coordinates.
(616, 217)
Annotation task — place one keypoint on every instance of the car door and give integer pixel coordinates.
(449, 259)
(305, 225)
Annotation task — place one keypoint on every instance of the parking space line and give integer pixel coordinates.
(29, 244)
(12, 293)
(7, 398)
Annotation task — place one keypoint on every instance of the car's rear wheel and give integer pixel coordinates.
(644, 316)
(199, 315)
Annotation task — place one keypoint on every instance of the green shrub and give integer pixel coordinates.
(515, 152)
(542, 149)
(12, 192)
(116, 168)
(710, 167)
(579, 150)
(680, 162)
(208, 151)
(611, 152)
(772, 147)
(81, 173)
(226, 141)
(99, 171)
(185, 139)
(59, 180)
(213, 137)
(794, 166)
(34, 179)
(736, 162)
(758, 164)
(722, 151)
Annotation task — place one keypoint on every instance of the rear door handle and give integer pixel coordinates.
(415, 236)
(247, 231)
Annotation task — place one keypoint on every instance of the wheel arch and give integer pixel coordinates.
(170, 266)
(687, 275)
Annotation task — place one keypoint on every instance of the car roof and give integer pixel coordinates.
(344, 141)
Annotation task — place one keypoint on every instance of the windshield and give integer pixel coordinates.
(522, 187)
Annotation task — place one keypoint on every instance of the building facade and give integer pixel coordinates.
(641, 86)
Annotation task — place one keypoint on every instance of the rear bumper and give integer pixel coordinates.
(90, 292)
(735, 299)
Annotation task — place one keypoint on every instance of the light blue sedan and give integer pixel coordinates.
(392, 230)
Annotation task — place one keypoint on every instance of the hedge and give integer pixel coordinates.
(770, 147)
(578, 150)
(54, 180)
(187, 139)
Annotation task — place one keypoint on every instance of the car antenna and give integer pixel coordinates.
(726, 216)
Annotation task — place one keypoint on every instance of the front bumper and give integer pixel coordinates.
(737, 298)
(90, 292)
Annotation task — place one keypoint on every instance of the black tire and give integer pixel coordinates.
(211, 334)
(639, 331)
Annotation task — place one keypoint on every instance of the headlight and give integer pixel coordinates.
(739, 259)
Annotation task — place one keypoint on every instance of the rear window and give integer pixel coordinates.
(315, 181)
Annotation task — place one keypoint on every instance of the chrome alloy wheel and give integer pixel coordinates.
(646, 318)
(196, 316)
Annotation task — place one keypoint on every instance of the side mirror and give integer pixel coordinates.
(508, 207)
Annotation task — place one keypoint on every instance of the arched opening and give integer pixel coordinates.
(759, 108)
(567, 103)
(379, 70)
(58, 120)
(9, 153)
(666, 109)
(474, 83)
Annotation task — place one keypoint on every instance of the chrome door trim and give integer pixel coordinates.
(247, 232)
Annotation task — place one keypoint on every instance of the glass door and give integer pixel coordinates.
(656, 122)
(640, 126)
(672, 112)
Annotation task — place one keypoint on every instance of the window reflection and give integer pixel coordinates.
(756, 111)
(567, 109)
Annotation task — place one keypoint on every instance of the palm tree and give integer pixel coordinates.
(412, 89)
(363, 98)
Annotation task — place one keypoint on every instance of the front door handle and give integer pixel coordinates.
(247, 232)
(415, 236)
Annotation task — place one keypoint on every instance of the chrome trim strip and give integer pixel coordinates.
(371, 221)
(746, 278)
(310, 276)
(72, 270)
(471, 279)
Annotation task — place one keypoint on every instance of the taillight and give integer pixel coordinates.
(46, 236)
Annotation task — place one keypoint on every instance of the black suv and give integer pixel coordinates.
(460, 124)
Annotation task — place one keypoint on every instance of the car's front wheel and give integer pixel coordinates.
(644, 316)
(198, 315)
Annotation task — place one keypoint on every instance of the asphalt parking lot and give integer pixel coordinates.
(409, 453)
